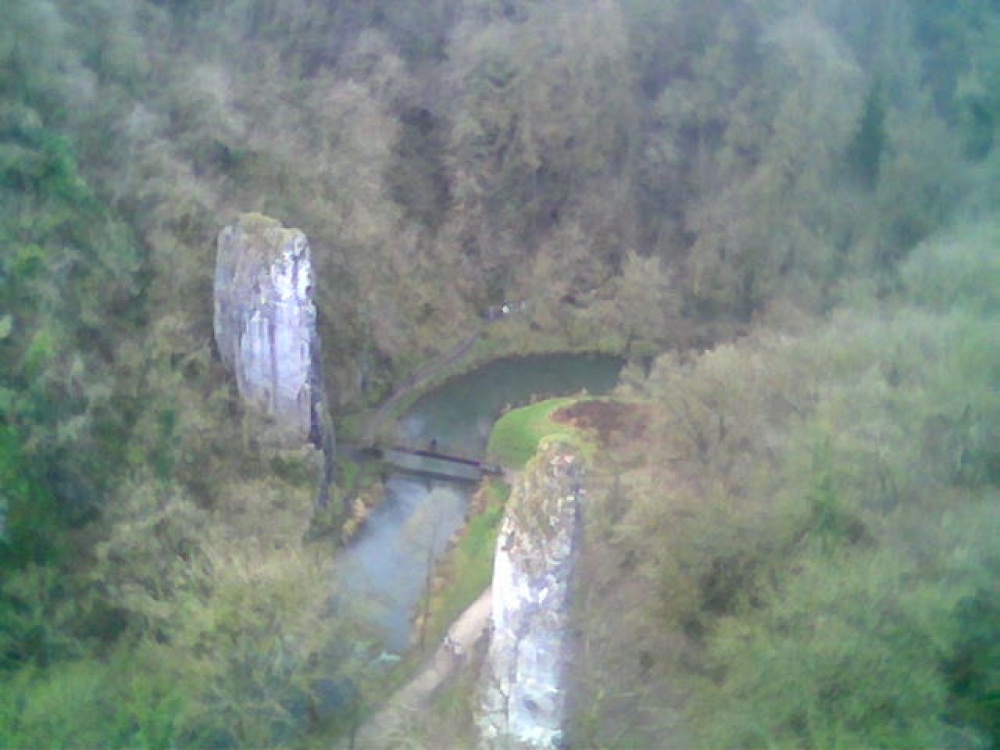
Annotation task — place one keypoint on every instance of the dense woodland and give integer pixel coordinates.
(778, 211)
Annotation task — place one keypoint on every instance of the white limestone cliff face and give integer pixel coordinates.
(265, 323)
(523, 698)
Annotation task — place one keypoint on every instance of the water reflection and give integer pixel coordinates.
(388, 564)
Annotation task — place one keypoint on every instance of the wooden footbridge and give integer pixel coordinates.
(432, 463)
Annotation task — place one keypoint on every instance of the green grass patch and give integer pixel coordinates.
(470, 567)
(517, 434)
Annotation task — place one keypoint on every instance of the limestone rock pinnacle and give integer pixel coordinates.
(265, 324)
(523, 696)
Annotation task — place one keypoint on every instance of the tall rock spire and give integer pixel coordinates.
(265, 326)
(523, 699)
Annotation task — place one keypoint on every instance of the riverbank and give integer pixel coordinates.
(417, 383)
(508, 338)
(387, 727)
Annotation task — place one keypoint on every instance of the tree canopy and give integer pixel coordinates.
(779, 212)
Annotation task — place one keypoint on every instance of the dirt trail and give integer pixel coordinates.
(417, 380)
(380, 730)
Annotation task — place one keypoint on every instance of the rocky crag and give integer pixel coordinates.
(265, 329)
(523, 693)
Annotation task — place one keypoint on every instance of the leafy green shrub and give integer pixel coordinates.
(845, 652)
(126, 702)
(958, 270)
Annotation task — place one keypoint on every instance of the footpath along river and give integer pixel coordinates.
(386, 565)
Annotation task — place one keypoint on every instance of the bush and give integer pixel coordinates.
(127, 702)
(847, 653)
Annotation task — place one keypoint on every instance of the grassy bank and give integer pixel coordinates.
(467, 569)
(518, 433)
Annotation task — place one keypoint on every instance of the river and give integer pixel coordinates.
(386, 565)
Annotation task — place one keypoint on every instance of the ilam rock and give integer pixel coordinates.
(265, 328)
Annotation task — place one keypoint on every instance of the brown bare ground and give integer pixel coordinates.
(614, 422)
